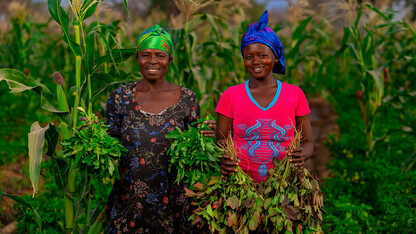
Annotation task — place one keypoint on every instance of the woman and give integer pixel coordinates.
(263, 112)
(140, 114)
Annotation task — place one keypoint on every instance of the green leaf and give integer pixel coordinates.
(35, 143)
(115, 55)
(52, 136)
(24, 203)
(89, 52)
(19, 82)
(88, 8)
(232, 202)
(62, 18)
(254, 221)
(127, 7)
(378, 80)
(62, 102)
(209, 210)
(232, 219)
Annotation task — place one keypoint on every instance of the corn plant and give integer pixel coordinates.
(73, 181)
(207, 55)
(364, 45)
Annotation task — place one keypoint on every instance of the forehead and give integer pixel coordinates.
(151, 51)
(257, 47)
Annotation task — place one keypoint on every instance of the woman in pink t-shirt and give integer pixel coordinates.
(263, 112)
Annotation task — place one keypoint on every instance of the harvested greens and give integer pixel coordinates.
(92, 149)
(288, 201)
(293, 200)
(227, 204)
(194, 156)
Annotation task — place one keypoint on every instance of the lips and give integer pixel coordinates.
(258, 69)
(152, 69)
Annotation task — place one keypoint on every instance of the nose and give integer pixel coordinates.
(256, 59)
(153, 59)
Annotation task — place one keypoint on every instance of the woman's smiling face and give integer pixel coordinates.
(153, 63)
(259, 60)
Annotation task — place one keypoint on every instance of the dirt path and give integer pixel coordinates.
(323, 120)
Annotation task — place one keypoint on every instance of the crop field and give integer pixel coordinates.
(59, 61)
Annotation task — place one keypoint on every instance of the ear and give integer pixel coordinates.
(170, 59)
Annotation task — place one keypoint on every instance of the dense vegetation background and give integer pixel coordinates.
(358, 55)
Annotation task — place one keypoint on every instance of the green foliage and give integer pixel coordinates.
(373, 194)
(50, 210)
(227, 204)
(194, 157)
(292, 199)
(92, 149)
(372, 185)
(48, 204)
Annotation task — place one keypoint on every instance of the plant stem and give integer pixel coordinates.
(89, 201)
(77, 79)
(69, 198)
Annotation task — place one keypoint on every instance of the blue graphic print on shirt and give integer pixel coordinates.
(264, 140)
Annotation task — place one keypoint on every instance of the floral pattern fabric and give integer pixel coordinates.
(145, 199)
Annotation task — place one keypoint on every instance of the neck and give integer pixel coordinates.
(268, 81)
(152, 85)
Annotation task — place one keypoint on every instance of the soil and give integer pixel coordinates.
(13, 181)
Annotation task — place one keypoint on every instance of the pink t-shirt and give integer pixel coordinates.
(260, 134)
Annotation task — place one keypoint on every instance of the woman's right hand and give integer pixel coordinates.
(228, 165)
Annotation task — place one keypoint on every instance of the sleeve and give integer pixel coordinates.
(113, 115)
(303, 106)
(194, 112)
(225, 106)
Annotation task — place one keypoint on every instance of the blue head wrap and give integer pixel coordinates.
(260, 33)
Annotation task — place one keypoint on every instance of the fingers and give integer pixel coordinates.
(300, 164)
(208, 133)
(297, 156)
(227, 170)
(228, 166)
(211, 124)
(230, 158)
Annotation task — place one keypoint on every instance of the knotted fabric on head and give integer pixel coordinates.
(155, 38)
(260, 33)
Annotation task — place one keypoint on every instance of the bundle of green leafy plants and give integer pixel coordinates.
(92, 149)
(293, 201)
(227, 204)
(193, 156)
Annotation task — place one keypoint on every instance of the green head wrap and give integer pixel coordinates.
(155, 38)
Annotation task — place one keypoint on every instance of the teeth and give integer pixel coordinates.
(257, 69)
(152, 70)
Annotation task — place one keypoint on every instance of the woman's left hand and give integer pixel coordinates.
(209, 133)
(297, 156)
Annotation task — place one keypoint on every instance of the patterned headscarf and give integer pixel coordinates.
(155, 38)
(260, 33)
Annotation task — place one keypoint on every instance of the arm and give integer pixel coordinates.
(305, 151)
(224, 126)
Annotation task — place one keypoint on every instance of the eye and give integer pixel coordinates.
(248, 57)
(263, 55)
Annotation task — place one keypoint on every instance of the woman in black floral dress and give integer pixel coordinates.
(140, 114)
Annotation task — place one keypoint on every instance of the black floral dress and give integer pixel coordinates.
(145, 199)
